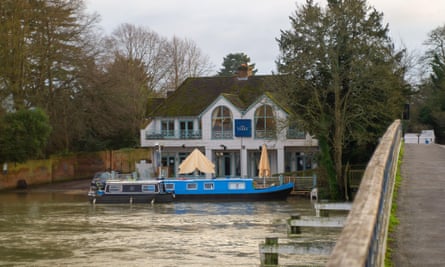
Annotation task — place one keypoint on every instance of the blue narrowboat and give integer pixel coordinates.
(225, 189)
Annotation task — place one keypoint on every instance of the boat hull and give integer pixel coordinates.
(128, 198)
(260, 196)
(225, 189)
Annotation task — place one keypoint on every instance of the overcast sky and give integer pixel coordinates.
(221, 27)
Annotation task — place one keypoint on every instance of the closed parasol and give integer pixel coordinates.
(263, 165)
(196, 161)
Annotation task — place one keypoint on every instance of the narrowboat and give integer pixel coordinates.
(119, 191)
(225, 189)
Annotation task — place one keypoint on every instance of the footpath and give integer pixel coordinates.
(420, 236)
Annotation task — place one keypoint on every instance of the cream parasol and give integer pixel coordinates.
(196, 161)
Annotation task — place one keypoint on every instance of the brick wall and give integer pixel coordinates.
(71, 167)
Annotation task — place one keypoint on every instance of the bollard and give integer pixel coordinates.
(294, 230)
(271, 259)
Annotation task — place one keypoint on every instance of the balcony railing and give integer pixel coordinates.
(180, 134)
(265, 134)
(222, 134)
(295, 134)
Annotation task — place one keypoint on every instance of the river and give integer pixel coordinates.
(64, 229)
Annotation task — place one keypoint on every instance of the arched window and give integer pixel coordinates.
(222, 126)
(264, 122)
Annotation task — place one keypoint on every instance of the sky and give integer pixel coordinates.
(221, 27)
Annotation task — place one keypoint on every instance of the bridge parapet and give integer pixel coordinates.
(363, 238)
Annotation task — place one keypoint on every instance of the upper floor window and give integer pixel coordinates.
(168, 128)
(265, 125)
(294, 132)
(186, 129)
(222, 125)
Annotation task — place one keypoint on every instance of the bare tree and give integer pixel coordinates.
(185, 60)
(143, 45)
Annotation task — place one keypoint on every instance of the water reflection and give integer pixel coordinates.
(42, 229)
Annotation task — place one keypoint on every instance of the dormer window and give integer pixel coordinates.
(222, 123)
(265, 125)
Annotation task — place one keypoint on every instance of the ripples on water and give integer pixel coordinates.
(50, 229)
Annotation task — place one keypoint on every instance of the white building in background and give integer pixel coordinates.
(424, 137)
(228, 119)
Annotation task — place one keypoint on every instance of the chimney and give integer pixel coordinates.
(244, 71)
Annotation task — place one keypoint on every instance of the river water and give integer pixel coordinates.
(60, 229)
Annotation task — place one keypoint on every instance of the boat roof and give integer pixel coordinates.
(134, 182)
(190, 179)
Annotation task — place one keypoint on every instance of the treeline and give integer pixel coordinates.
(428, 100)
(93, 87)
(341, 79)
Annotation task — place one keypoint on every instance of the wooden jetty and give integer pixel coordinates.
(270, 249)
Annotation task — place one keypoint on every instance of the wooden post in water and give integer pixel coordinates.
(270, 259)
(294, 230)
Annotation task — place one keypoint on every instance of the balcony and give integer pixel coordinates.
(180, 134)
(295, 134)
(265, 134)
(222, 134)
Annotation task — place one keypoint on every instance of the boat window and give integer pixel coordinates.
(169, 186)
(192, 186)
(209, 186)
(114, 188)
(237, 185)
(131, 188)
(148, 188)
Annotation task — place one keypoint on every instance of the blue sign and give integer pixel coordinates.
(243, 128)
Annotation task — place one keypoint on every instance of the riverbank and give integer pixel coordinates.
(70, 187)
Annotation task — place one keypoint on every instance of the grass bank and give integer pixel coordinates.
(393, 220)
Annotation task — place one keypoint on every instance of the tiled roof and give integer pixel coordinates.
(196, 94)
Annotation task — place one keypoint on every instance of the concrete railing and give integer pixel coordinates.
(362, 241)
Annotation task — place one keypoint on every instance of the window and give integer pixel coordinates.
(186, 129)
(264, 122)
(169, 186)
(237, 186)
(293, 132)
(168, 128)
(114, 188)
(131, 188)
(192, 186)
(222, 126)
(148, 188)
(209, 186)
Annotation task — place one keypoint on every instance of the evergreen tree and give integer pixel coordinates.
(24, 135)
(232, 62)
(343, 79)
